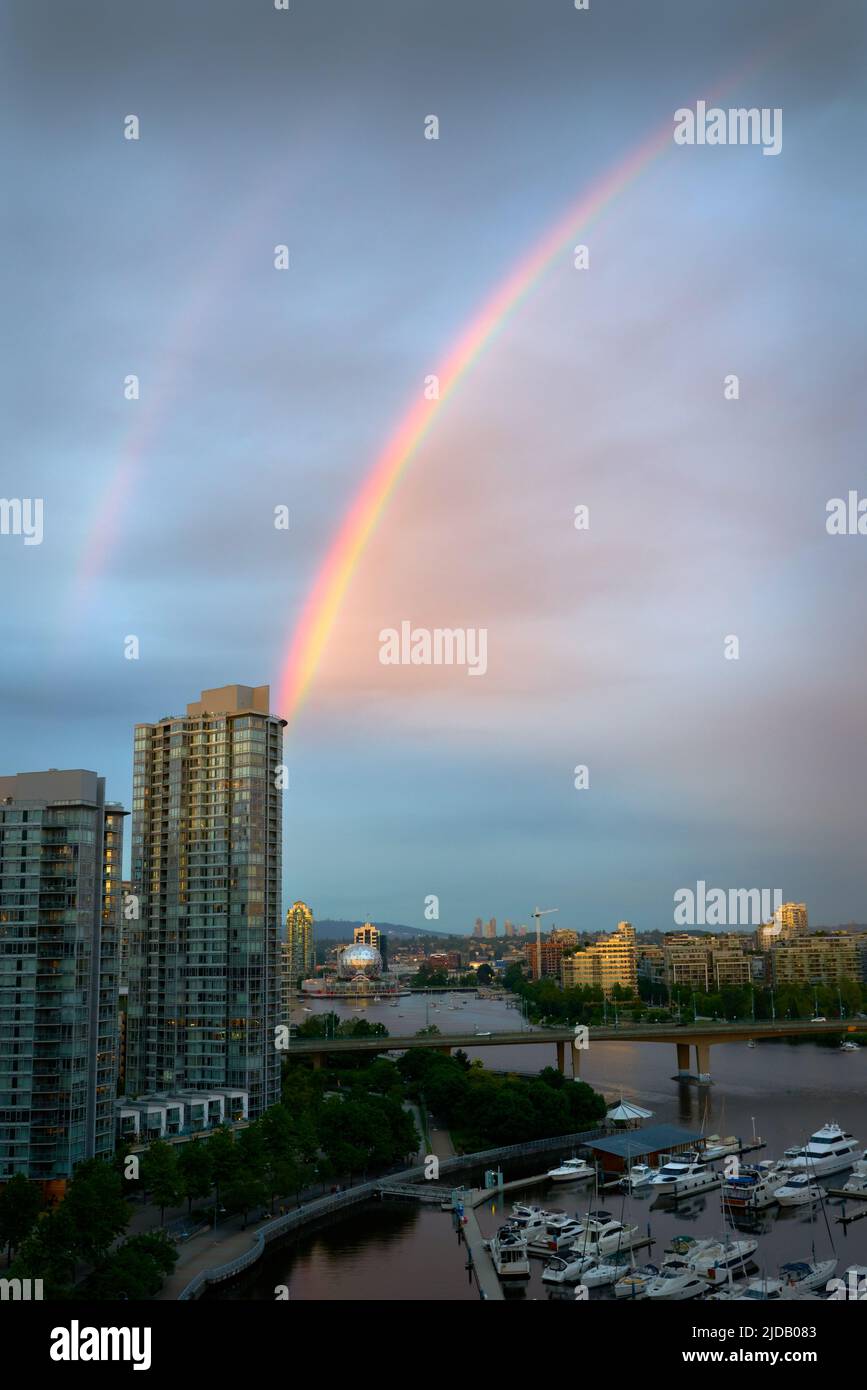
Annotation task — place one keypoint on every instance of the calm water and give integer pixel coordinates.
(397, 1250)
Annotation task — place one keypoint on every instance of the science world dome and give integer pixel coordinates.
(360, 960)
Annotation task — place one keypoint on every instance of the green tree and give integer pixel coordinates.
(95, 1206)
(224, 1158)
(196, 1171)
(161, 1175)
(20, 1204)
(243, 1190)
(49, 1253)
(135, 1271)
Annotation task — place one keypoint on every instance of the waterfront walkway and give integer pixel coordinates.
(206, 1250)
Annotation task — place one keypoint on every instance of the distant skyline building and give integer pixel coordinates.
(366, 935)
(490, 929)
(61, 848)
(204, 974)
(300, 946)
(610, 961)
(788, 922)
(477, 928)
(297, 954)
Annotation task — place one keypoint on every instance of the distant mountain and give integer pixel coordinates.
(330, 930)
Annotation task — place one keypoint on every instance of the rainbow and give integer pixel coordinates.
(325, 598)
(320, 610)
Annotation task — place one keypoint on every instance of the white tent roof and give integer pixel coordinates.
(627, 1110)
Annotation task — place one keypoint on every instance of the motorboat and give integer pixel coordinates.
(799, 1191)
(856, 1183)
(606, 1271)
(604, 1238)
(638, 1176)
(723, 1260)
(755, 1186)
(760, 1289)
(675, 1283)
(534, 1229)
(715, 1147)
(557, 1219)
(686, 1248)
(566, 1271)
(679, 1176)
(509, 1255)
(520, 1211)
(806, 1274)
(847, 1045)
(564, 1238)
(634, 1283)
(830, 1150)
(571, 1170)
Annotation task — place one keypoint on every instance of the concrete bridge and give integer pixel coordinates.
(700, 1036)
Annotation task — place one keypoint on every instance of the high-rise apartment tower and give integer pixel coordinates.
(204, 973)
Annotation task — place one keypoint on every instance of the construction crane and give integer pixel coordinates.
(537, 913)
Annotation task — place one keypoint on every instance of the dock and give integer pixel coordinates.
(483, 1266)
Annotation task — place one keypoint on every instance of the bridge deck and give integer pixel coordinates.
(661, 1033)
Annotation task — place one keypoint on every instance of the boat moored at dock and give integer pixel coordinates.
(679, 1176)
(830, 1150)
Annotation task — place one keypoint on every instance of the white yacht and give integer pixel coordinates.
(533, 1229)
(556, 1219)
(509, 1254)
(551, 1242)
(755, 1186)
(599, 1238)
(830, 1150)
(715, 1147)
(521, 1212)
(806, 1274)
(571, 1170)
(764, 1290)
(799, 1191)
(638, 1176)
(684, 1249)
(723, 1260)
(566, 1271)
(847, 1045)
(606, 1271)
(635, 1282)
(675, 1283)
(856, 1183)
(679, 1176)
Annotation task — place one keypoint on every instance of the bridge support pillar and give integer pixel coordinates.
(561, 1057)
(683, 1059)
(446, 1051)
(702, 1061)
(317, 1061)
(576, 1062)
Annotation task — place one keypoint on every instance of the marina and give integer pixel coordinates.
(403, 1249)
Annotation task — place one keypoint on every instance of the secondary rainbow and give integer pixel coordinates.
(323, 602)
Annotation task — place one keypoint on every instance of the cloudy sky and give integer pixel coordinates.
(604, 387)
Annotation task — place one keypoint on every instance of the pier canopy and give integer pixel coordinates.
(619, 1151)
(628, 1113)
